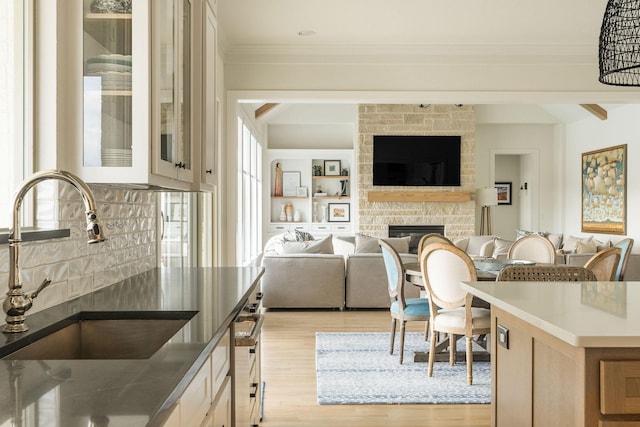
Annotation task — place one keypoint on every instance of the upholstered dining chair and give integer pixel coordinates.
(546, 273)
(402, 309)
(443, 267)
(533, 247)
(431, 238)
(625, 245)
(604, 264)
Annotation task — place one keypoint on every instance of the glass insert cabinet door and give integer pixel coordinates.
(107, 88)
(172, 103)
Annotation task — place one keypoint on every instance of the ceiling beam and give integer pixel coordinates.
(596, 110)
(264, 109)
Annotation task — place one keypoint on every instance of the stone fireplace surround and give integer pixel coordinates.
(458, 218)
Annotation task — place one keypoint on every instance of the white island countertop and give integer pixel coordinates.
(583, 314)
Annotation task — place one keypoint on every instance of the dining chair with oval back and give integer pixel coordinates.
(625, 245)
(533, 247)
(431, 238)
(443, 267)
(402, 309)
(605, 264)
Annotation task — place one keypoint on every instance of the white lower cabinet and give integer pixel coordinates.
(174, 418)
(219, 414)
(207, 399)
(196, 399)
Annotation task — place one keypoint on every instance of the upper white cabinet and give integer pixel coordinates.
(211, 102)
(135, 92)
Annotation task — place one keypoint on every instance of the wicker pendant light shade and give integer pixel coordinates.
(620, 43)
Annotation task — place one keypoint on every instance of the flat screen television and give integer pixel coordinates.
(416, 160)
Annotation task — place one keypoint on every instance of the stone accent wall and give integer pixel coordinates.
(458, 218)
(76, 267)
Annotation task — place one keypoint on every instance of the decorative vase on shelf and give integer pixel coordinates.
(296, 216)
(283, 214)
(289, 211)
(324, 214)
(315, 212)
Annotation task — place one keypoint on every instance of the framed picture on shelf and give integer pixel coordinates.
(290, 183)
(332, 168)
(301, 191)
(339, 212)
(504, 192)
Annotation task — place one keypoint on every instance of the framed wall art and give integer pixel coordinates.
(339, 212)
(504, 192)
(332, 167)
(290, 183)
(604, 192)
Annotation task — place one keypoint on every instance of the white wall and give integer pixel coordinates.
(537, 141)
(589, 134)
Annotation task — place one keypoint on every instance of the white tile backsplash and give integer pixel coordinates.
(129, 219)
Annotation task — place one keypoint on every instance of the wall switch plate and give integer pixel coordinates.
(503, 336)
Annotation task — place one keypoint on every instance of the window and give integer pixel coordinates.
(15, 90)
(250, 194)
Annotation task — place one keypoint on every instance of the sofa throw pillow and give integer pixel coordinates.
(474, 247)
(569, 246)
(400, 244)
(501, 247)
(586, 248)
(297, 236)
(555, 239)
(344, 245)
(324, 246)
(367, 244)
(274, 245)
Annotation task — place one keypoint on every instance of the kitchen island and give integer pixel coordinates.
(564, 354)
(127, 392)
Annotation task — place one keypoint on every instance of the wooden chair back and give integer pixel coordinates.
(443, 267)
(547, 273)
(605, 264)
(625, 245)
(534, 248)
(431, 238)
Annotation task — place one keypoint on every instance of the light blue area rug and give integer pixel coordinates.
(355, 368)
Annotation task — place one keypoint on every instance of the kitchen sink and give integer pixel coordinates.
(102, 335)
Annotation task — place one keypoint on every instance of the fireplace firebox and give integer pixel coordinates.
(416, 232)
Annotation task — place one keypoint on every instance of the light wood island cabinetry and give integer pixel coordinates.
(564, 354)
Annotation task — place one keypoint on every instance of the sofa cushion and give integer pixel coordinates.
(501, 247)
(369, 245)
(476, 243)
(569, 245)
(555, 239)
(324, 246)
(344, 245)
(586, 248)
(400, 244)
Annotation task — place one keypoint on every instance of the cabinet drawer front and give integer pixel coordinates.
(341, 228)
(196, 399)
(220, 360)
(321, 228)
(619, 424)
(620, 387)
(278, 228)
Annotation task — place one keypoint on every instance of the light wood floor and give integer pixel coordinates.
(288, 368)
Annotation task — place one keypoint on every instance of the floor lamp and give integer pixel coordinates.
(486, 197)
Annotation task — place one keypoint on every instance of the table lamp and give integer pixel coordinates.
(486, 197)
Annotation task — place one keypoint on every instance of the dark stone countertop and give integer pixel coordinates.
(128, 392)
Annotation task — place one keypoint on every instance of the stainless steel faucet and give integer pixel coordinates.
(17, 302)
